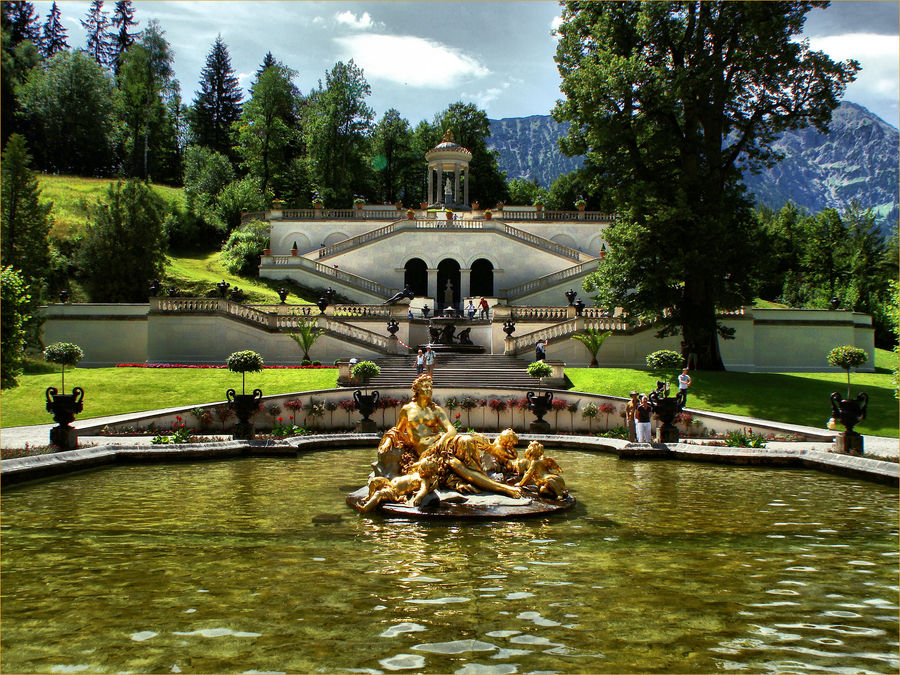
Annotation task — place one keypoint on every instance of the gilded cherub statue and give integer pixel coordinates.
(543, 472)
(421, 481)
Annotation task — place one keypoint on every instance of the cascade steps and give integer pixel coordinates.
(457, 370)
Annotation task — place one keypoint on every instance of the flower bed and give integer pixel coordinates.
(184, 365)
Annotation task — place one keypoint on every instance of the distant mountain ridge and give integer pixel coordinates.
(859, 159)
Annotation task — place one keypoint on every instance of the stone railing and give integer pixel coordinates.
(539, 313)
(542, 242)
(361, 311)
(358, 240)
(549, 280)
(381, 343)
(589, 216)
(346, 278)
(565, 329)
(444, 224)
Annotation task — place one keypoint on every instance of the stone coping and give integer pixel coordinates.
(22, 469)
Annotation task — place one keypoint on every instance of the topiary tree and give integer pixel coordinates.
(590, 412)
(364, 371)
(592, 339)
(847, 357)
(65, 354)
(539, 370)
(244, 362)
(664, 363)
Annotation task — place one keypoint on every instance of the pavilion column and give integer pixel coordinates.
(466, 187)
(440, 182)
(456, 183)
(465, 283)
(432, 286)
(430, 185)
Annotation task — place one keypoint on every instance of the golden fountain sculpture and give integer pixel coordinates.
(426, 468)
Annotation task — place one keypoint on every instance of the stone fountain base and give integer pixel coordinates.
(453, 505)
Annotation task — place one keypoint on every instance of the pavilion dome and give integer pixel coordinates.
(447, 149)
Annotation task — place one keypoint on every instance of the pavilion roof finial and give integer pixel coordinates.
(448, 136)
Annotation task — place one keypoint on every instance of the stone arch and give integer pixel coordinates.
(287, 241)
(448, 270)
(334, 238)
(415, 274)
(482, 278)
(596, 245)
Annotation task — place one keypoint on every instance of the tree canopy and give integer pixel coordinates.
(669, 101)
(218, 103)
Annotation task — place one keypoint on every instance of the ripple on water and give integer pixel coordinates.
(536, 618)
(437, 601)
(456, 647)
(217, 632)
(403, 662)
(424, 580)
(140, 636)
(498, 669)
(518, 595)
(533, 640)
(503, 633)
(400, 628)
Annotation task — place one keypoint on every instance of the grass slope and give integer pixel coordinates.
(112, 391)
(796, 398)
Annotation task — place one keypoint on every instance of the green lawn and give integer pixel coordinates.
(111, 391)
(786, 397)
(72, 197)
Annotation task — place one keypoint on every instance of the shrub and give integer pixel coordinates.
(14, 301)
(240, 254)
(847, 357)
(364, 371)
(664, 363)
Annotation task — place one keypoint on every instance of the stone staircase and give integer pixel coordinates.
(457, 370)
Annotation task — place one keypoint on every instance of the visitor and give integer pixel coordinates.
(429, 361)
(540, 349)
(629, 416)
(483, 306)
(684, 381)
(691, 350)
(420, 363)
(470, 309)
(409, 314)
(642, 420)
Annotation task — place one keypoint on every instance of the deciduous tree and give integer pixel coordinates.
(14, 308)
(670, 101)
(395, 165)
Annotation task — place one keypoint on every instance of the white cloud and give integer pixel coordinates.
(556, 23)
(411, 60)
(879, 56)
(348, 18)
(484, 97)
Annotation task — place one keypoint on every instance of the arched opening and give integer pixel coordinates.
(482, 278)
(448, 271)
(415, 275)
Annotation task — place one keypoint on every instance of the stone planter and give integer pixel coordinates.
(540, 405)
(365, 404)
(244, 406)
(294, 251)
(666, 408)
(64, 407)
(849, 412)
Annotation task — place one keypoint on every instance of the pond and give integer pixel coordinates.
(257, 565)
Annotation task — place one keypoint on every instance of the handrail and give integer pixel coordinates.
(549, 280)
(353, 242)
(589, 216)
(347, 278)
(543, 242)
(358, 334)
(516, 345)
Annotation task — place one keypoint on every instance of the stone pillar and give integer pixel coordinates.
(466, 187)
(456, 184)
(430, 185)
(465, 285)
(440, 182)
(432, 283)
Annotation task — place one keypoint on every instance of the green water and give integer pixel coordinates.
(257, 565)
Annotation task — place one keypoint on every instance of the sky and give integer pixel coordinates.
(419, 57)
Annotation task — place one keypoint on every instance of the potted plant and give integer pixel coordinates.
(539, 204)
(487, 214)
(294, 249)
(410, 214)
(366, 403)
(359, 202)
(267, 250)
(449, 214)
(475, 205)
(64, 406)
(592, 339)
(580, 204)
(423, 205)
(848, 412)
(539, 403)
(318, 202)
(243, 404)
(277, 203)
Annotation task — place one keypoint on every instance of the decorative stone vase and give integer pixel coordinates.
(359, 206)
(579, 307)
(423, 205)
(666, 408)
(425, 310)
(509, 327)
(282, 294)
(488, 215)
(410, 215)
(475, 206)
(365, 404)
(539, 405)
(581, 207)
(849, 412)
(570, 296)
(244, 405)
(393, 327)
(64, 407)
(322, 304)
(539, 207)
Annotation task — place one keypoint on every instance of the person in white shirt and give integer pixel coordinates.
(684, 381)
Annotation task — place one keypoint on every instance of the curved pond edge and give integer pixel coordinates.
(23, 469)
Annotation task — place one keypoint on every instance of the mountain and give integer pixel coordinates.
(859, 159)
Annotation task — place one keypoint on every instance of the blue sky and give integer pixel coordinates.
(420, 56)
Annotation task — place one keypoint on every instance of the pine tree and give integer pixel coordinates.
(218, 104)
(122, 20)
(21, 22)
(53, 38)
(99, 38)
(24, 222)
(268, 60)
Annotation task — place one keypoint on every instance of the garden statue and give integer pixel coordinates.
(448, 192)
(849, 412)
(434, 334)
(426, 468)
(667, 408)
(543, 472)
(407, 292)
(448, 294)
(447, 334)
(464, 337)
(155, 288)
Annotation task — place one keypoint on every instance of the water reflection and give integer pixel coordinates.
(240, 566)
